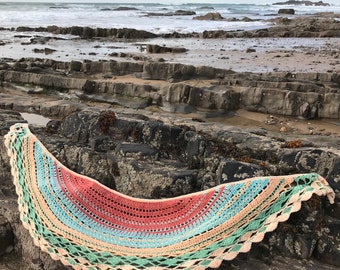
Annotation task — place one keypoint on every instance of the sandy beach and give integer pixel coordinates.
(238, 54)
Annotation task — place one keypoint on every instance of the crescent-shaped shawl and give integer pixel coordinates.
(86, 225)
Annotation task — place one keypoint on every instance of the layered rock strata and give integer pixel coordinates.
(174, 86)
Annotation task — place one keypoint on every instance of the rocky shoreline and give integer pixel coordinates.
(321, 25)
(289, 44)
(156, 129)
(307, 3)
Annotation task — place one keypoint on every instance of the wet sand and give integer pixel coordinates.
(271, 54)
(268, 54)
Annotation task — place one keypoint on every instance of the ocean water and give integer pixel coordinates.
(105, 15)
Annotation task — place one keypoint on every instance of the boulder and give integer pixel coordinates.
(86, 32)
(153, 48)
(125, 8)
(184, 13)
(289, 11)
(302, 2)
(6, 237)
(325, 249)
(233, 170)
(211, 16)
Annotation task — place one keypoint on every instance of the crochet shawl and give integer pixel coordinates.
(86, 225)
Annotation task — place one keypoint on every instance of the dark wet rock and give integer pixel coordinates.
(284, 27)
(301, 26)
(7, 119)
(244, 19)
(206, 7)
(76, 66)
(187, 96)
(124, 8)
(79, 127)
(309, 111)
(101, 144)
(154, 48)
(326, 250)
(142, 149)
(119, 9)
(305, 159)
(58, 7)
(163, 71)
(43, 40)
(299, 236)
(34, 69)
(247, 19)
(290, 11)
(89, 87)
(299, 2)
(176, 13)
(233, 170)
(53, 126)
(4, 66)
(19, 66)
(126, 33)
(45, 50)
(23, 254)
(211, 16)
(6, 237)
(89, 33)
(195, 145)
(250, 50)
(184, 12)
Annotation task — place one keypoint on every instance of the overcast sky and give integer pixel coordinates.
(167, 1)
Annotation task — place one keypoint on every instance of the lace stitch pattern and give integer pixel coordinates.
(86, 225)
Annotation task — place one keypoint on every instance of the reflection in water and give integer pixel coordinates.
(35, 119)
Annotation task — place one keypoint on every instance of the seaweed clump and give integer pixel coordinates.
(105, 120)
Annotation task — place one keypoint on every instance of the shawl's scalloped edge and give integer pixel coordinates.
(295, 207)
(215, 263)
